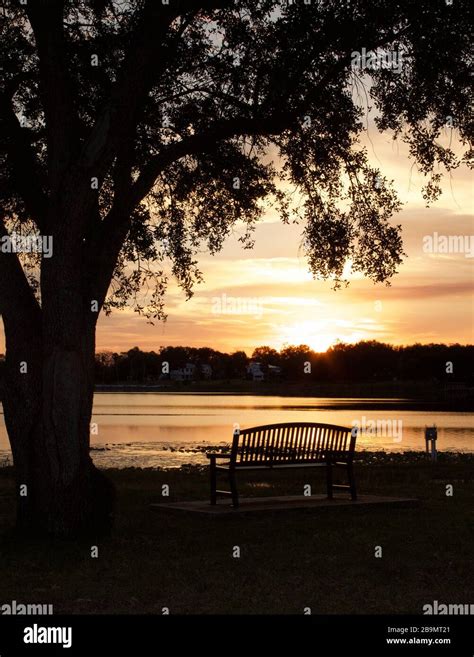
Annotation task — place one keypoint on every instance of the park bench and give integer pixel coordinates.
(286, 445)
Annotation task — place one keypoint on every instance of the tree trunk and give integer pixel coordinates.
(47, 413)
(49, 386)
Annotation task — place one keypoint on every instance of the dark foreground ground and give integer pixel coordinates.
(322, 559)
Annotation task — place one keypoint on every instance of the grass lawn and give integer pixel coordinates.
(322, 559)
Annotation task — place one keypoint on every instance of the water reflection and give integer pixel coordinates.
(150, 429)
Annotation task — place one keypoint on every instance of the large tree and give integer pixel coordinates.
(134, 132)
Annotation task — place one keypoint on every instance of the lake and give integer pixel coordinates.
(170, 429)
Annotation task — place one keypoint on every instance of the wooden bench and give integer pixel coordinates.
(287, 445)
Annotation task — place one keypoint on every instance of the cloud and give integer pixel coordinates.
(430, 299)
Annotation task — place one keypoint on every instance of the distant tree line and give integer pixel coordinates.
(366, 361)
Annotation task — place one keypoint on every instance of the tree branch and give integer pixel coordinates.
(256, 125)
(46, 19)
(20, 310)
(23, 163)
(145, 61)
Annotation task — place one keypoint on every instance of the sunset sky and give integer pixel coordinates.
(430, 300)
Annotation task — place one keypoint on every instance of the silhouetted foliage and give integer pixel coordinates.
(365, 361)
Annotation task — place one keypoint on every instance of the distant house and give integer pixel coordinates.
(274, 371)
(186, 373)
(189, 371)
(457, 390)
(258, 372)
(176, 375)
(255, 371)
(206, 371)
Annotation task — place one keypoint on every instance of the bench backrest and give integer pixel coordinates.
(295, 442)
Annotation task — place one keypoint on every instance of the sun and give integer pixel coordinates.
(310, 333)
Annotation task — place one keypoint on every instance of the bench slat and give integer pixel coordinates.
(309, 443)
(260, 440)
(268, 444)
(299, 441)
(314, 449)
(247, 453)
(252, 445)
(332, 444)
(306, 439)
(289, 442)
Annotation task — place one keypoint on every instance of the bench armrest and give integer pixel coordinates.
(217, 455)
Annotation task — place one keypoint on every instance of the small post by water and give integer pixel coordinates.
(431, 435)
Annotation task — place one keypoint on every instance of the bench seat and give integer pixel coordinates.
(286, 445)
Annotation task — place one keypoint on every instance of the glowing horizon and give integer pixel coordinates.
(266, 296)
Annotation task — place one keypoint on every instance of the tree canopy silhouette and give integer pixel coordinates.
(136, 132)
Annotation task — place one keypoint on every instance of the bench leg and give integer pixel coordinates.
(233, 490)
(329, 479)
(352, 485)
(213, 472)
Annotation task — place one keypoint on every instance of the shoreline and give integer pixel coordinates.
(394, 395)
(363, 458)
(381, 458)
(431, 394)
